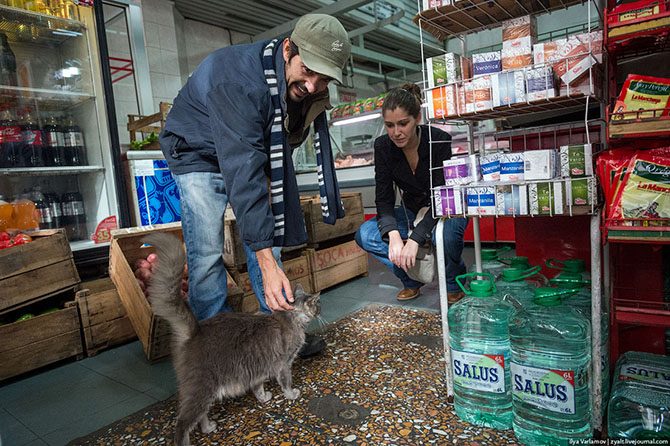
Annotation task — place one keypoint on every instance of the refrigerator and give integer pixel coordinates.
(57, 118)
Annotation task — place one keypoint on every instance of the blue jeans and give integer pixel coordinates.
(370, 240)
(256, 277)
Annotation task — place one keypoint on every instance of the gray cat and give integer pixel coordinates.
(228, 354)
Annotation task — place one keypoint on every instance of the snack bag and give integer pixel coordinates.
(643, 93)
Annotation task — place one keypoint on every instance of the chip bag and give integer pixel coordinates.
(642, 93)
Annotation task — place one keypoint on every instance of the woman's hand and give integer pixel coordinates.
(408, 255)
(395, 247)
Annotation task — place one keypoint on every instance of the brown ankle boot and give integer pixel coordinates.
(454, 297)
(409, 294)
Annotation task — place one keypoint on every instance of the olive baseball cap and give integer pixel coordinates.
(323, 43)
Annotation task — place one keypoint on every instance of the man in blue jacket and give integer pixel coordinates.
(229, 138)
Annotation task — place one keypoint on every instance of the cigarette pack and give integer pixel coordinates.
(489, 166)
(447, 69)
(539, 164)
(540, 83)
(509, 87)
(511, 167)
(579, 192)
(545, 198)
(512, 200)
(576, 161)
(481, 200)
(486, 63)
(448, 201)
(443, 101)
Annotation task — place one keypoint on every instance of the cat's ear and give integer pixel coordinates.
(299, 290)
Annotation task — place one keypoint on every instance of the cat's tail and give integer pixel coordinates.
(165, 286)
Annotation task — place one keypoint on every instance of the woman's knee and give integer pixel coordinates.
(366, 234)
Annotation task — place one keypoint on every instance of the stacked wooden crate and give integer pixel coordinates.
(39, 322)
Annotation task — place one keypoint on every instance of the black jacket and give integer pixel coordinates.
(391, 167)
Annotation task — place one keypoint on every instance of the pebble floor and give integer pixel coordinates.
(380, 382)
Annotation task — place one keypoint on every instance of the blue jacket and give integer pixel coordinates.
(221, 122)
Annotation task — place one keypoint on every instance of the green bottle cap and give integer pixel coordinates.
(574, 266)
(568, 280)
(512, 274)
(481, 288)
(489, 254)
(519, 262)
(547, 297)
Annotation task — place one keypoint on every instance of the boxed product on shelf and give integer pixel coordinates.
(447, 69)
(539, 164)
(519, 27)
(448, 201)
(478, 94)
(576, 160)
(489, 166)
(448, 100)
(508, 88)
(627, 11)
(545, 198)
(461, 170)
(512, 199)
(514, 58)
(643, 93)
(481, 200)
(570, 57)
(588, 85)
(579, 192)
(486, 63)
(511, 167)
(428, 4)
(518, 36)
(540, 83)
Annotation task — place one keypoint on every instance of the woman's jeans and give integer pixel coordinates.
(369, 238)
(203, 202)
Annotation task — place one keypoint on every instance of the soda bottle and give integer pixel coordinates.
(26, 216)
(43, 208)
(11, 140)
(550, 368)
(74, 216)
(33, 146)
(7, 63)
(75, 154)
(53, 201)
(638, 408)
(480, 354)
(6, 210)
(54, 142)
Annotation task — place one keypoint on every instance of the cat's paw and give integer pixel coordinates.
(264, 397)
(292, 394)
(207, 426)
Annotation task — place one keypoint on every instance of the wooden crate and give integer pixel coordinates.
(36, 270)
(318, 231)
(298, 272)
(148, 124)
(39, 341)
(233, 250)
(104, 321)
(126, 248)
(336, 264)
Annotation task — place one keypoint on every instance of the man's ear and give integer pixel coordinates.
(285, 49)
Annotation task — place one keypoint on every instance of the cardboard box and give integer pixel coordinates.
(545, 198)
(478, 95)
(579, 192)
(445, 101)
(508, 88)
(447, 69)
(511, 167)
(461, 170)
(512, 200)
(539, 164)
(576, 161)
(517, 58)
(489, 166)
(518, 36)
(36, 270)
(524, 26)
(448, 201)
(486, 63)
(571, 57)
(481, 200)
(540, 84)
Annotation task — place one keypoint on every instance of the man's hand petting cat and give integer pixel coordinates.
(275, 282)
(144, 269)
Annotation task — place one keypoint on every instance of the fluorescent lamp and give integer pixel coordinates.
(357, 119)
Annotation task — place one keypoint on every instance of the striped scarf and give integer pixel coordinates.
(331, 203)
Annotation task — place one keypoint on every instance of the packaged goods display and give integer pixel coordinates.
(576, 161)
(570, 57)
(643, 93)
(478, 94)
(448, 201)
(481, 200)
(447, 69)
(490, 167)
(539, 164)
(579, 192)
(545, 198)
(511, 167)
(508, 88)
(445, 101)
(512, 200)
(518, 37)
(486, 63)
(540, 83)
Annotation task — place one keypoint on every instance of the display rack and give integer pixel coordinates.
(465, 17)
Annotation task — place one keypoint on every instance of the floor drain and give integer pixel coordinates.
(348, 414)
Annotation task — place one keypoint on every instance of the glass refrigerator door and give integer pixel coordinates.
(54, 133)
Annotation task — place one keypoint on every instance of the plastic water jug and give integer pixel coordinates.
(519, 284)
(581, 301)
(551, 362)
(490, 262)
(480, 354)
(574, 266)
(639, 407)
(518, 262)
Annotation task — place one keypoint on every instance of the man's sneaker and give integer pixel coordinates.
(313, 346)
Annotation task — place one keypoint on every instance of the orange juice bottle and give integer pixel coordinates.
(25, 213)
(6, 210)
